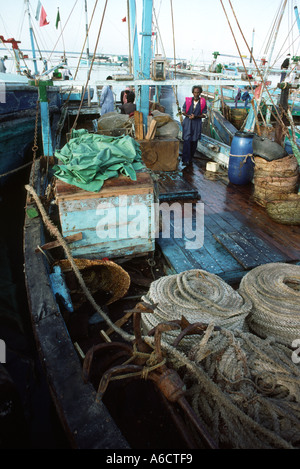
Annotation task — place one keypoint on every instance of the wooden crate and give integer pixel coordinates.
(160, 154)
(116, 222)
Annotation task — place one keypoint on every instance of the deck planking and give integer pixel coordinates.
(238, 233)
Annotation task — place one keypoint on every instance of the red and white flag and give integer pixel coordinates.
(43, 17)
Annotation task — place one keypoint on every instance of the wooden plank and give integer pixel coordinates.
(174, 255)
(138, 125)
(111, 187)
(173, 187)
(238, 252)
(55, 244)
(270, 252)
(151, 130)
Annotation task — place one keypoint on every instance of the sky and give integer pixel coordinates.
(200, 27)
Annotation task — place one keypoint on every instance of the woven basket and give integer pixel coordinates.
(288, 163)
(98, 275)
(262, 195)
(285, 210)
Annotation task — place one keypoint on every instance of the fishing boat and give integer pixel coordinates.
(136, 324)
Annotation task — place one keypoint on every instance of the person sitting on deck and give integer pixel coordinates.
(129, 107)
(194, 109)
(107, 99)
(246, 97)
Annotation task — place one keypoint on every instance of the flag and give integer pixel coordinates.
(38, 9)
(124, 19)
(57, 18)
(43, 18)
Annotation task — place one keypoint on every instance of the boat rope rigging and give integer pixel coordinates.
(91, 66)
(81, 54)
(276, 115)
(175, 89)
(49, 57)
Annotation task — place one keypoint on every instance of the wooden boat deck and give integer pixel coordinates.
(238, 233)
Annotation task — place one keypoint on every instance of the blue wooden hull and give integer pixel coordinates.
(17, 125)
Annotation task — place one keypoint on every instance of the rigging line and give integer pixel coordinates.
(175, 65)
(85, 39)
(278, 118)
(156, 23)
(272, 32)
(173, 38)
(90, 70)
(62, 30)
(238, 46)
(289, 46)
(83, 47)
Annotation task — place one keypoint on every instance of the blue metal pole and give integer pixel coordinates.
(146, 56)
(134, 39)
(297, 17)
(32, 40)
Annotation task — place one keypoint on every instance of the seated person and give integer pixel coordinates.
(129, 107)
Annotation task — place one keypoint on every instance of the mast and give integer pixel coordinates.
(135, 47)
(250, 124)
(146, 56)
(87, 36)
(31, 38)
(129, 39)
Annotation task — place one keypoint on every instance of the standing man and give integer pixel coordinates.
(284, 66)
(2, 64)
(107, 99)
(194, 109)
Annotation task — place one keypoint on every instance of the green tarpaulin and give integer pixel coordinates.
(89, 159)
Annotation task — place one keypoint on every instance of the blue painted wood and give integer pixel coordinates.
(146, 58)
(134, 39)
(111, 225)
(46, 130)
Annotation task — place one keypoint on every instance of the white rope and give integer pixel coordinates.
(274, 290)
(197, 295)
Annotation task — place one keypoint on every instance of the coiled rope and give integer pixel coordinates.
(197, 295)
(274, 290)
(244, 388)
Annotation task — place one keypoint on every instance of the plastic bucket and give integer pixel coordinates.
(241, 166)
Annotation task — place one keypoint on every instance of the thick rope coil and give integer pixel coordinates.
(274, 290)
(197, 295)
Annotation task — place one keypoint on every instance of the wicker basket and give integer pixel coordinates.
(98, 275)
(272, 179)
(285, 210)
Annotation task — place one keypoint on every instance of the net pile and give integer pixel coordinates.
(244, 389)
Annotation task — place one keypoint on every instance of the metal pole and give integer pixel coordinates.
(146, 56)
(31, 39)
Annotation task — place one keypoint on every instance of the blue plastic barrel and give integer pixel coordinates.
(241, 166)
